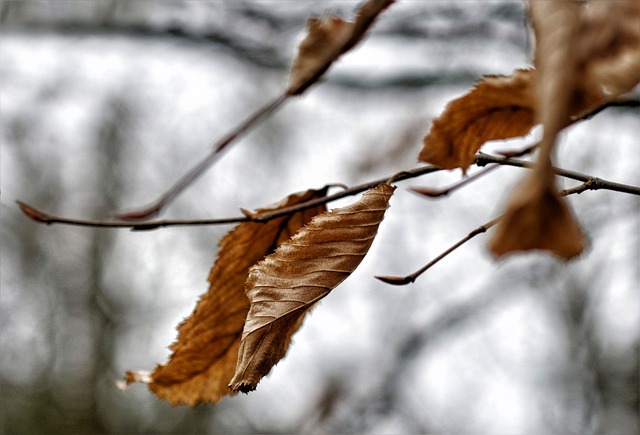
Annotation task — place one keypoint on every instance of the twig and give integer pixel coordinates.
(436, 193)
(48, 218)
(620, 102)
(312, 72)
(591, 184)
(510, 154)
(483, 159)
(403, 280)
(205, 163)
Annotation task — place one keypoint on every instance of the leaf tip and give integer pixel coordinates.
(538, 219)
(242, 387)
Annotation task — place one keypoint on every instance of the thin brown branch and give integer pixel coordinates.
(403, 280)
(366, 16)
(49, 219)
(483, 159)
(195, 172)
(619, 102)
(437, 193)
(590, 184)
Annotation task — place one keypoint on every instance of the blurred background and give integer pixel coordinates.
(106, 103)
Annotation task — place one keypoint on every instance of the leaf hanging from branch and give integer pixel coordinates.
(205, 353)
(303, 270)
(585, 56)
(328, 38)
(594, 46)
(538, 219)
(497, 108)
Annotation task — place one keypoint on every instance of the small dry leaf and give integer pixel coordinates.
(205, 353)
(303, 270)
(537, 218)
(608, 46)
(497, 108)
(327, 39)
(586, 54)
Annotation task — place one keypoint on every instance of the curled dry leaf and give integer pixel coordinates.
(497, 108)
(328, 38)
(303, 270)
(205, 353)
(537, 218)
(586, 54)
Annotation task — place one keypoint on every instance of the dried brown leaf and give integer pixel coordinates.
(537, 218)
(607, 47)
(497, 108)
(327, 39)
(303, 270)
(586, 54)
(205, 353)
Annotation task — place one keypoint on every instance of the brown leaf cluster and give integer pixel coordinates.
(269, 275)
(585, 55)
(205, 353)
(594, 45)
(266, 278)
(303, 270)
(328, 38)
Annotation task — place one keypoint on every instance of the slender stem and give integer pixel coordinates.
(484, 159)
(48, 218)
(366, 16)
(435, 193)
(507, 155)
(590, 184)
(400, 176)
(195, 172)
(397, 280)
